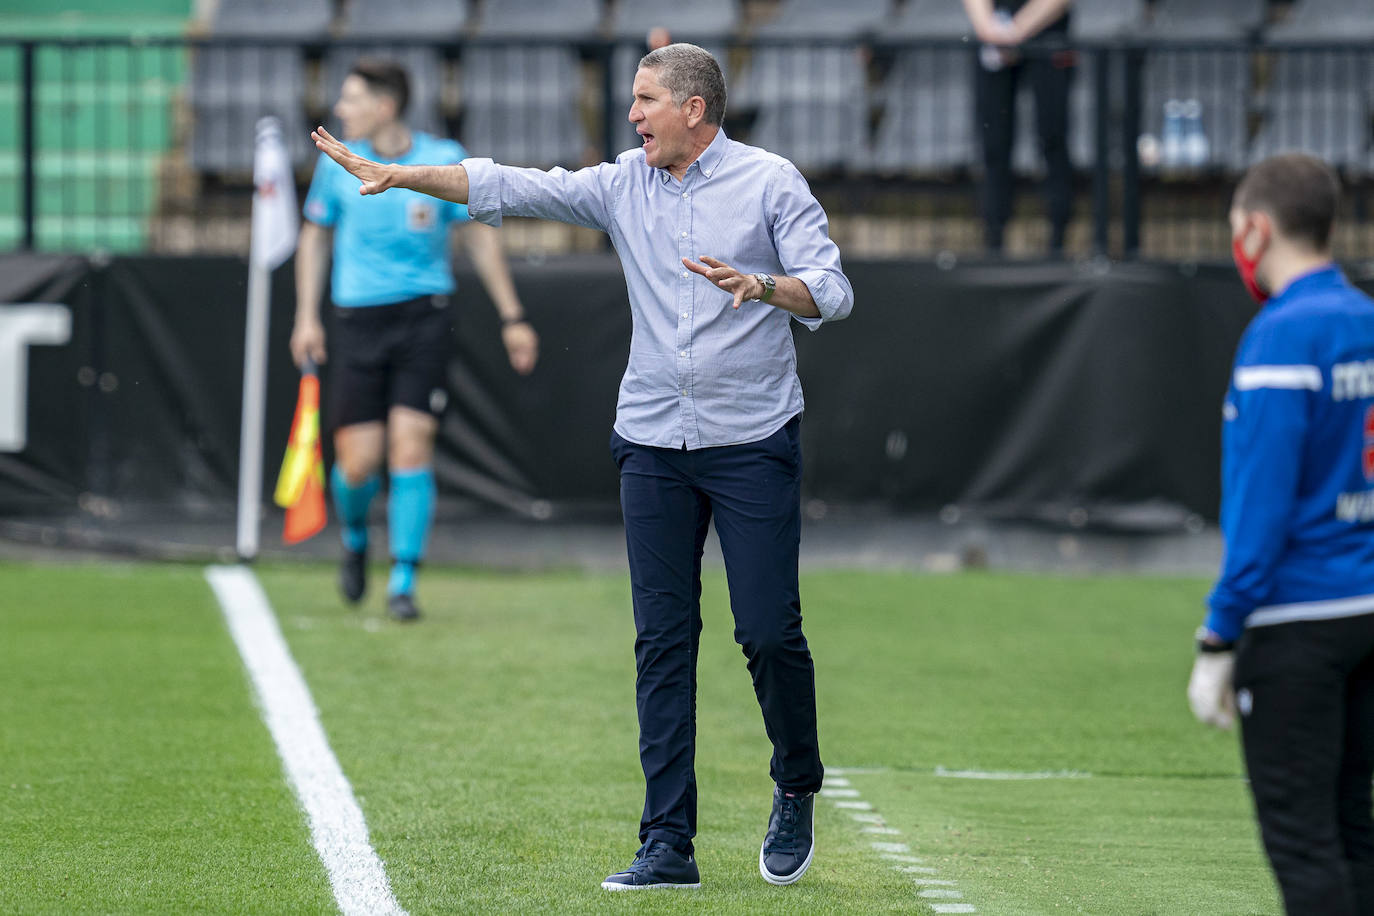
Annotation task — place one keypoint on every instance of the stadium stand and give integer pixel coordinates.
(812, 94)
(410, 40)
(1319, 101)
(104, 122)
(149, 143)
(235, 84)
(520, 102)
(1217, 77)
(927, 98)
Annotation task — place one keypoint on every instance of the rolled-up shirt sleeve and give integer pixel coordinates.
(584, 197)
(801, 234)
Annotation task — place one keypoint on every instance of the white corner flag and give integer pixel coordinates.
(275, 225)
(275, 222)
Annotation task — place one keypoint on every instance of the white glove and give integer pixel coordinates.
(1210, 691)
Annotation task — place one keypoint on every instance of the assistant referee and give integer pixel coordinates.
(1291, 620)
(392, 285)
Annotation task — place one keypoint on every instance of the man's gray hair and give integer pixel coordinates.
(686, 70)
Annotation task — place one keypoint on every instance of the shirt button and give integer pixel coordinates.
(708, 173)
(684, 275)
(684, 235)
(681, 352)
(684, 314)
(684, 392)
(684, 195)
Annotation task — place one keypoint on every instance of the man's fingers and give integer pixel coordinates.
(707, 259)
(695, 267)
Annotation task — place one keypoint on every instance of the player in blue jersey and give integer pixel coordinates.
(392, 333)
(1289, 638)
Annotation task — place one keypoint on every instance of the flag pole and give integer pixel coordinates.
(274, 225)
(254, 410)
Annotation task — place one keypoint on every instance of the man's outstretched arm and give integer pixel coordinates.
(448, 182)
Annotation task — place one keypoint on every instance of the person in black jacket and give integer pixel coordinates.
(1002, 25)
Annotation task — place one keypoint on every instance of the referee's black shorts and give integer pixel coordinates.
(383, 356)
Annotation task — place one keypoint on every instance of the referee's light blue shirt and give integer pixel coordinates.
(700, 374)
(387, 247)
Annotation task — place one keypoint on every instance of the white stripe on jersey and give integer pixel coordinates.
(1311, 610)
(1298, 378)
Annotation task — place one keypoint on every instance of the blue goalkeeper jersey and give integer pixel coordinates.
(1297, 507)
(387, 247)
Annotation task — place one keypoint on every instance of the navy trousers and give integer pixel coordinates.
(669, 498)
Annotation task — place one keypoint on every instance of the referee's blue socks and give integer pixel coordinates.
(410, 511)
(352, 503)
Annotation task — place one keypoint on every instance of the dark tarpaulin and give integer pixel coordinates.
(51, 472)
(1022, 389)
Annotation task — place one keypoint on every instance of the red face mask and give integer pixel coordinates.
(1247, 266)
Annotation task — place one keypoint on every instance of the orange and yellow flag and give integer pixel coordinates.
(300, 485)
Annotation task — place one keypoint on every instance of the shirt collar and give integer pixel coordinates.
(707, 163)
(1322, 277)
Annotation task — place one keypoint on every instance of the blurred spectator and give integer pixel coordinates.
(1003, 25)
(658, 38)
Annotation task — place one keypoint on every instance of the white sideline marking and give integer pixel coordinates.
(837, 782)
(337, 828)
(891, 847)
(995, 774)
(929, 886)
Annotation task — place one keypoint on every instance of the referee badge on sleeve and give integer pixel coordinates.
(420, 215)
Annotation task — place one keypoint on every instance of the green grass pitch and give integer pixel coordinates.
(493, 747)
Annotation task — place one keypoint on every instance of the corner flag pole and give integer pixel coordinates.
(273, 241)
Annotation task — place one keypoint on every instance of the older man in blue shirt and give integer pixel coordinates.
(723, 245)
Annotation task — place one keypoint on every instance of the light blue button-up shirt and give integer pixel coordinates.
(701, 373)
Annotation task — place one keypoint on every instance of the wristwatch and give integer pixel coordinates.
(769, 284)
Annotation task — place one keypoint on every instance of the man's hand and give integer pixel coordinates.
(307, 341)
(375, 176)
(522, 346)
(1210, 691)
(741, 286)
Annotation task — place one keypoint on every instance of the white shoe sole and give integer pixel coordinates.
(612, 886)
(796, 875)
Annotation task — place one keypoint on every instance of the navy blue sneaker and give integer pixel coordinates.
(789, 845)
(656, 865)
(353, 575)
(402, 607)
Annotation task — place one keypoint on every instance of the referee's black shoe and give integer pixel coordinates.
(656, 865)
(401, 606)
(353, 575)
(789, 845)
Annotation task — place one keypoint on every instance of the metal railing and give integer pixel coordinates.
(146, 145)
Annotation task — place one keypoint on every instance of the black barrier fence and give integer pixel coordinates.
(146, 146)
(1075, 394)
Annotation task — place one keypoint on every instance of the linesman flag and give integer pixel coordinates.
(300, 485)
